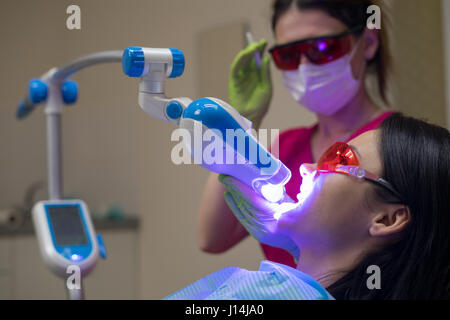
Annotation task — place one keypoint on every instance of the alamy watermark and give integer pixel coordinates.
(223, 147)
(73, 21)
(374, 21)
(374, 280)
(73, 281)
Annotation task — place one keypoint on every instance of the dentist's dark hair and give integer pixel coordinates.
(415, 157)
(352, 13)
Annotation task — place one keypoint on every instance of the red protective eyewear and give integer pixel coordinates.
(341, 158)
(318, 50)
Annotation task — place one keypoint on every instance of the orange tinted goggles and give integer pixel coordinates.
(341, 158)
(318, 50)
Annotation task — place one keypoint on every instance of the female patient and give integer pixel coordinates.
(372, 221)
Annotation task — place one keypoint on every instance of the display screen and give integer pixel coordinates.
(67, 225)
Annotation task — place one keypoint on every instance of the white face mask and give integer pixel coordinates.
(323, 89)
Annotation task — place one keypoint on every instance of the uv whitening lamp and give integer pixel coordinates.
(243, 157)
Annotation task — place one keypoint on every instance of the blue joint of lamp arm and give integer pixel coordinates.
(69, 91)
(174, 110)
(133, 62)
(178, 63)
(37, 91)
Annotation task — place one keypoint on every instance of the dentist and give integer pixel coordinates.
(325, 53)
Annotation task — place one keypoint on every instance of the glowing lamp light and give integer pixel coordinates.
(76, 257)
(283, 208)
(272, 193)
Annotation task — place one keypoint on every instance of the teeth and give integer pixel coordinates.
(283, 208)
(305, 190)
(306, 186)
(301, 198)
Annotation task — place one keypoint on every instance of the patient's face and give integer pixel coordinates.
(334, 213)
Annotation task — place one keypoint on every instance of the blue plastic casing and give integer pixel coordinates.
(23, 109)
(178, 63)
(133, 61)
(174, 110)
(214, 116)
(69, 91)
(250, 162)
(37, 91)
(101, 246)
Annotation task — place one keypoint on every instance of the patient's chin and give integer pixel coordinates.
(286, 223)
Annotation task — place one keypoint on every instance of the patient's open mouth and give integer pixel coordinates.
(305, 190)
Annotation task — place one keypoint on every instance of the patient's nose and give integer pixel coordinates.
(307, 169)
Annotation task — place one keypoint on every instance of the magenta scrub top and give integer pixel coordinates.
(294, 150)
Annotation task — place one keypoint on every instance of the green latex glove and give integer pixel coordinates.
(250, 87)
(256, 214)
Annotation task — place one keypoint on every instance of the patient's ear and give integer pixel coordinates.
(392, 220)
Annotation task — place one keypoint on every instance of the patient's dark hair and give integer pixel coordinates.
(416, 160)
